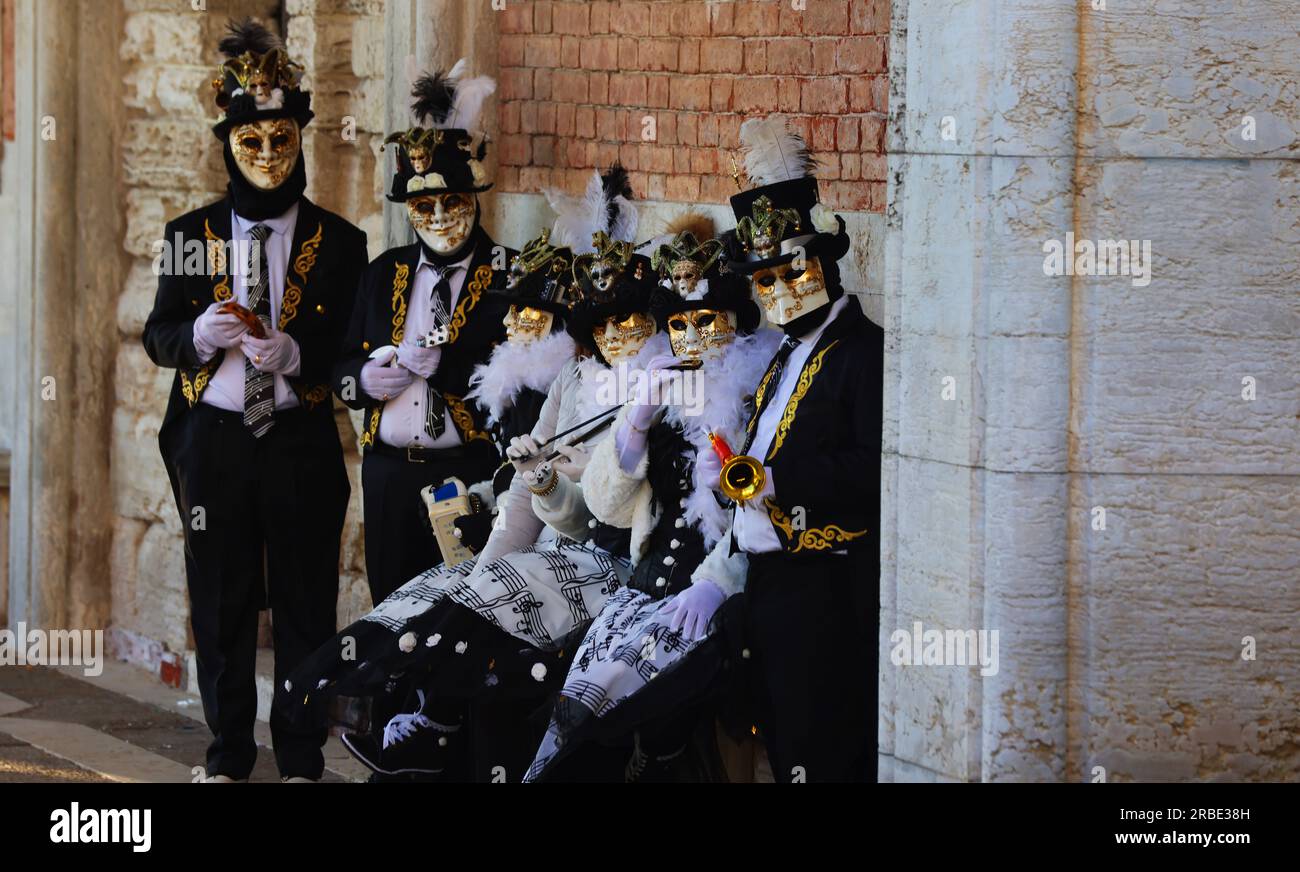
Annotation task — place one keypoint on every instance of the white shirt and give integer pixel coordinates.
(751, 525)
(226, 390)
(402, 424)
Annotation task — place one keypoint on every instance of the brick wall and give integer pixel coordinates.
(580, 79)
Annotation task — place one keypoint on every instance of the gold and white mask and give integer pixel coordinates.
(685, 276)
(785, 292)
(619, 339)
(442, 221)
(266, 151)
(526, 325)
(700, 334)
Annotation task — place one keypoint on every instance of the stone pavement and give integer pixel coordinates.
(57, 725)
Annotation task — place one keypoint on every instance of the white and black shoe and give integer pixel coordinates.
(412, 745)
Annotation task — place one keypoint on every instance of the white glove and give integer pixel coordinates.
(692, 609)
(213, 331)
(523, 447)
(421, 361)
(383, 382)
(647, 397)
(708, 468)
(576, 458)
(277, 353)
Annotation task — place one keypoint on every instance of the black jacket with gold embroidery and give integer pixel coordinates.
(825, 454)
(325, 262)
(379, 319)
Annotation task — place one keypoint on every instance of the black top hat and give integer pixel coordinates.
(782, 218)
(539, 277)
(443, 153)
(257, 80)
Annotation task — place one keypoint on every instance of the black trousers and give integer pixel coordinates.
(262, 520)
(399, 543)
(809, 625)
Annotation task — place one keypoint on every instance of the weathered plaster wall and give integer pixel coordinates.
(1121, 647)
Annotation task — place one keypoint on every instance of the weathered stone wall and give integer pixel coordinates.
(1015, 122)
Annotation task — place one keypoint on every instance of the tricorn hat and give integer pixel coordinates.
(443, 153)
(781, 218)
(257, 80)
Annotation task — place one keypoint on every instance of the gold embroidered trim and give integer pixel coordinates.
(758, 399)
(302, 265)
(368, 437)
(810, 370)
(462, 418)
(813, 539)
(314, 397)
(399, 301)
(193, 390)
(217, 264)
(482, 276)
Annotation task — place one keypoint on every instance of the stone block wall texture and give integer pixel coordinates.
(1015, 122)
(663, 86)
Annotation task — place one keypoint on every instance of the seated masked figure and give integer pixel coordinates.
(657, 478)
(495, 626)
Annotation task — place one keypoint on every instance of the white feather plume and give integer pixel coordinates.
(774, 152)
(578, 218)
(471, 94)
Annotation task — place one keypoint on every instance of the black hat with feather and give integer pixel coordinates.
(610, 279)
(781, 218)
(257, 80)
(443, 153)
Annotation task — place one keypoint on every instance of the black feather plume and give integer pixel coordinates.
(432, 95)
(247, 36)
(616, 184)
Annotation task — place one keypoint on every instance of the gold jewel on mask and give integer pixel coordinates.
(604, 267)
(620, 338)
(266, 151)
(785, 290)
(766, 228)
(418, 145)
(257, 75)
(443, 221)
(685, 260)
(526, 324)
(700, 334)
(537, 253)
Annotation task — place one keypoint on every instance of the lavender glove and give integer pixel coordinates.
(691, 610)
(421, 361)
(384, 382)
(213, 331)
(277, 353)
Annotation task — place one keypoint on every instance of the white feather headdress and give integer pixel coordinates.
(773, 152)
(605, 205)
(451, 101)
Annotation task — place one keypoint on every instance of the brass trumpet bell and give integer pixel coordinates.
(742, 477)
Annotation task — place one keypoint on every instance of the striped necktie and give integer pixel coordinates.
(435, 408)
(259, 387)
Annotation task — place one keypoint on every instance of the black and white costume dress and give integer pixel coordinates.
(546, 570)
(675, 519)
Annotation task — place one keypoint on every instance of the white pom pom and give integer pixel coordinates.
(462, 647)
(539, 671)
(433, 640)
(407, 642)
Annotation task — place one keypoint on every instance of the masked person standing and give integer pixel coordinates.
(249, 438)
(423, 320)
(810, 529)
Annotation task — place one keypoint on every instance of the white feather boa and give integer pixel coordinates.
(513, 367)
(727, 382)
